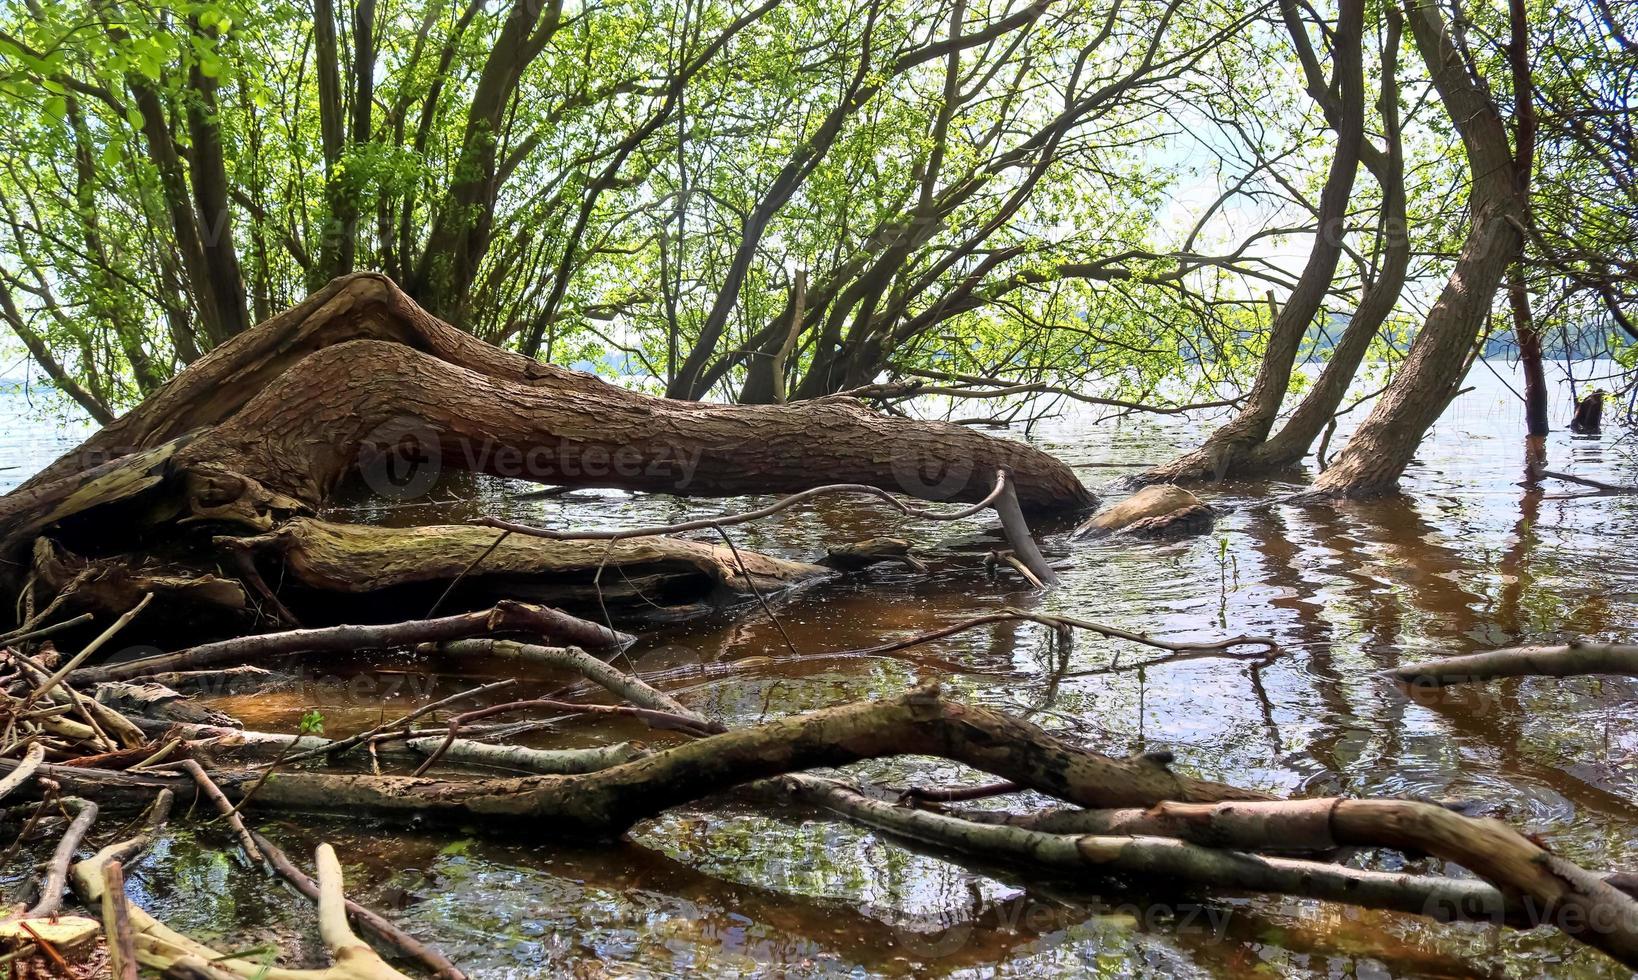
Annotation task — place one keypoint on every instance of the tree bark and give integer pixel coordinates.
(295, 403)
(644, 576)
(401, 362)
(1376, 456)
(207, 171)
(1569, 660)
(1524, 157)
(608, 802)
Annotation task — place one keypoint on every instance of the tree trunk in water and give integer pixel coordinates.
(1529, 338)
(1319, 406)
(1227, 449)
(1376, 456)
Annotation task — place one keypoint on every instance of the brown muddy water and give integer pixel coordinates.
(1468, 559)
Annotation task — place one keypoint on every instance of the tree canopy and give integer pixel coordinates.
(764, 200)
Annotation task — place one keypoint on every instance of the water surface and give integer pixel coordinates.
(1469, 559)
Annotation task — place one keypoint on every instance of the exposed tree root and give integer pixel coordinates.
(628, 574)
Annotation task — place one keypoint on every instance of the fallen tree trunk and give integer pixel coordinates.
(361, 348)
(1129, 852)
(608, 802)
(358, 381)
(1173, 826)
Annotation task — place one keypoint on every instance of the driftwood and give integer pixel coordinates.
(239, 746)
(503, 617)
(1157, 510)
(116, 924)
(602, 803)
(1564, 660)
(1212, 841)
(24, 770)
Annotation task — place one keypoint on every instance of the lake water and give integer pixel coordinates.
(1467, 560)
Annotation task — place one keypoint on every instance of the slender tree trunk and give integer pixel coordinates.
(207, 169)
(336, 233)
(1227, 449)
(464, 220)
(1386, 441)
(1529, 341)
(162, 151)
(1524, 155)
(41, 352)
(1318, 407)
(108, 301)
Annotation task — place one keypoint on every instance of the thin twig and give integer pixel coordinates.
(90, 648)
(467, 571)
(20, 636)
